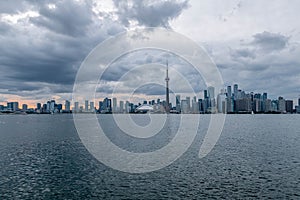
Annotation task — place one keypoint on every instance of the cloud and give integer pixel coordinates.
(270, 42)
(148, 13)
(43, 53)
(65, 17)
(243, 53)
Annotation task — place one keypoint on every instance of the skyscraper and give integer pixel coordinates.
(211, 92)
(38, 106)
(178, 103)
(76, 107)
(188, 103)
(167, 90)
(121, 106)
(114, 109)
(24, 107)
(92, 106)
(52, 105)
(281, 105)
(86, 105)
(67, 106)
(229, 94)
(235, 90)
(205, 94)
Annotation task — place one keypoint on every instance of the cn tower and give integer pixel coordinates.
(167, 90)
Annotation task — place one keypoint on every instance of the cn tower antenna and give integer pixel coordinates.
(167, 89)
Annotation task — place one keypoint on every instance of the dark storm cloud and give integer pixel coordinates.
(41, 54)
(12, 6)
(52, 50)
(4, 28)
(68, 18)
(269, 42)
(149, 13)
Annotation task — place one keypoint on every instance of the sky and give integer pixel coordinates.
(43, 43)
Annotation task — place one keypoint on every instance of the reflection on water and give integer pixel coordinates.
(41, 156)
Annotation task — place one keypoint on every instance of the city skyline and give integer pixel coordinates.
(41, 56)
(228, 100)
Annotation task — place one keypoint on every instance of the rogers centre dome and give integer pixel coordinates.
(144, 108)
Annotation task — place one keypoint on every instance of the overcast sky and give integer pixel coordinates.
(42, 43)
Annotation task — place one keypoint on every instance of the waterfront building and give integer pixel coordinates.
(235, 91)
(178, 107)
(67, 106)
(184, 107)
(38, 106)
(195, 106)
(92, 106)
(76, 107)
(114, 106)
(221, 103)
(289, 106)
(107, 105)
(127, 107)
(268, 105)
(281, 105)
(188, 102)
(121, 106)
(24, 107)
(86, 105)
(229, 93)
(243, 105)
(211, 92)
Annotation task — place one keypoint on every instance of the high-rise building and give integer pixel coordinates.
(268, 105)
(52, 105)
(38, 106)
(195, 106)
(230, 105)
(221, 103)
(76, 107)
(48, 106)
(243, 105)
(184, 107)
(178, 109)
(121, 106)
(265, 96)
(92, 106)
(235, 91)
(298, 107)
(107, 105)
(211, 92)
(289, 106)
(24, 107)
(100, 106)
(13, 106)
(188, 102)
(67, 106)
(86, 105)
(205, 93)
(229, 94)
(114, 108)
(127, 107)
(281, 105)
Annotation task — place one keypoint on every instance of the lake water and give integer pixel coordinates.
(257, 156)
